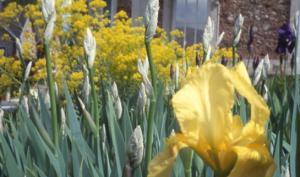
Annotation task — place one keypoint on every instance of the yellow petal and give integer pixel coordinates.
(254, 130)
(253, 161)
(259, 109)
(235, 127)
(203, 104)
(162, 164)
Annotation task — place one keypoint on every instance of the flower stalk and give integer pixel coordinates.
(233, 55)
(90, 55)
(152, 104)
(51, 86)
(95, 113)
(151, 17)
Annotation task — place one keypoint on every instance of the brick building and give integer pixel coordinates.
(190, 16)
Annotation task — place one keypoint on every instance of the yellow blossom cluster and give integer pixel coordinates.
(11, 73)
(197, 49)
(120, 43)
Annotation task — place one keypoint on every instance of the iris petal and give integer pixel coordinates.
(203, 110)
(162, 164)
(253, 161)
(202, 105)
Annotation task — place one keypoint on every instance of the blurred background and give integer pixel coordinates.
(190, 16)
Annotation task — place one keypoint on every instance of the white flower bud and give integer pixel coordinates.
(238, 29)
(142, 98)
(86, 85)
(143, 67)
(90, 47)
(257, 73)
(50, 27)
(266, 93)
(116, 100)
(220, 38)
(118, 108)
(208, 37)
(266, 66)
(262, 70)
(24, 103)
(63, 121)
(143, 70)
(114, 91)
(27, 71)
(208, 34)
(207, 57)
(238, 24)
(151, 18)
(19, 46)
(237, 38)
(34, 93)
(48, 9)
(135, 148)
(87, 116)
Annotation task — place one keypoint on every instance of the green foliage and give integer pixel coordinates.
(27, 149)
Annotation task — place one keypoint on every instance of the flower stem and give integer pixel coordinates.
(233, 56)
(52, 93)
(95, 112)
(152, 105)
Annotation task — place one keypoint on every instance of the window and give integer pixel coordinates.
(111, 7)
(190, 16)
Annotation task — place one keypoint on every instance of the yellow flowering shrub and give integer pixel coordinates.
(11, 72)
(119, 44)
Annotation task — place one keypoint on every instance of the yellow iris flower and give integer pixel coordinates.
(203, 110)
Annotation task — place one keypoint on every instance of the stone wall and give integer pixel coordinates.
(265, 15)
